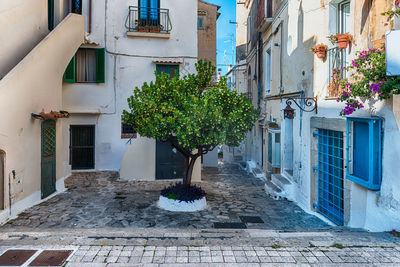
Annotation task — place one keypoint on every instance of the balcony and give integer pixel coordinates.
(264, 15)
(148, 22)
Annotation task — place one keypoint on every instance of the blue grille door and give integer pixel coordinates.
(48, 158)
(330, 175)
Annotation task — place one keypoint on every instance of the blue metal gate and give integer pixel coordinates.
(330, 174)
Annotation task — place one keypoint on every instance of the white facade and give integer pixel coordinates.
(130, 61)
(295, 28)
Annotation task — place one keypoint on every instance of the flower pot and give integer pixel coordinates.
(343, 41)
(321, 53)
(182, 206)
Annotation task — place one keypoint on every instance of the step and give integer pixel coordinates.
(238, 158)
(258, 173)
(273, 187)
(242, 165)
(280, 180)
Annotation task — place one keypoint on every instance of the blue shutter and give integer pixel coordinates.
(143, 8)
(154, 5)
(364, 151)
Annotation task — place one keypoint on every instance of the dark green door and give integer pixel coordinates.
(169, 162)
(48, 158)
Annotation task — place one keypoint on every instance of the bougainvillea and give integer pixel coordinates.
(191, 113)
(367, 79)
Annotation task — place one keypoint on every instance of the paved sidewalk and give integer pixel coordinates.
(210, 247)
(335, 255)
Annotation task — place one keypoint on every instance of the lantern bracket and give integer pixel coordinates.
(310, 104)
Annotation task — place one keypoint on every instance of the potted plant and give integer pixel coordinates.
(273, 125)
(320, 50)
(342, 39)
(183, 198)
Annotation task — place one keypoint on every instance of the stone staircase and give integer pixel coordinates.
(279, 187)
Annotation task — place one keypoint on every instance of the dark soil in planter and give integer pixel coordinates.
(182, 192)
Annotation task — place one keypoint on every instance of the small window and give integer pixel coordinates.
(87, 66)
(200, 23)
(127, 131)
(172, 70)
(76, 6)
(364, 154)
(268, 72)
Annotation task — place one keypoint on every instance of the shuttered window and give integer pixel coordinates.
(87, 66)
(364, 158)
(172, 70)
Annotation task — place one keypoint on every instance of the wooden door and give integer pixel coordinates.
(48, 162)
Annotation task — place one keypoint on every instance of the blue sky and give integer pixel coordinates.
(225, 32)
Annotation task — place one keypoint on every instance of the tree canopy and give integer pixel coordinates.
(191, 112)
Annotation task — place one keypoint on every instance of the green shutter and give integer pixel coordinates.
(50, 15)
(168, 69)
(69, 75)
(100, 65)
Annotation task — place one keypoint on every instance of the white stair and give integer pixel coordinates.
(279, 187)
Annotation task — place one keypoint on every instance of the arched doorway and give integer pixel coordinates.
(2, 170)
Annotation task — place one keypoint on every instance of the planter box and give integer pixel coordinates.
(182, 206)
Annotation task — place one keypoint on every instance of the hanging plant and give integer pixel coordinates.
(320, 50)
(391, 13)
(342, 39)
(367, 79)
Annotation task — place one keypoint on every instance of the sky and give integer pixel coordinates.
(226, 32)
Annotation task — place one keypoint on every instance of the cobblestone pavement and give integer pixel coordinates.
(99, 199)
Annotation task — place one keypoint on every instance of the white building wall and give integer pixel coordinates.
(33, 86)
(309, 24)
(129, 63)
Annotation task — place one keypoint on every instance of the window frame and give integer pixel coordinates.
(200, 18)
(374, 153)
(168, 66)
(125, 135)
(268, 72)
(70, 71)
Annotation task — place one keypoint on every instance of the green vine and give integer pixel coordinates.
(391, 13)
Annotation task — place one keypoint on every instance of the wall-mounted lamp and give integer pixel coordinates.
(309, 102)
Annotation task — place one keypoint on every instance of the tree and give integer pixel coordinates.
(191, 113)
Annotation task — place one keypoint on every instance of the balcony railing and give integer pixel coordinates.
(337, 62)
(144, 19)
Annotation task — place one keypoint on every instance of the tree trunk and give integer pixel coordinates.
(189, 164)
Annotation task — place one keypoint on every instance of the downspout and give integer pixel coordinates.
(90, 16)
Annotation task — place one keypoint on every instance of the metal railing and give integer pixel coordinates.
(336, 61)
(145, 19)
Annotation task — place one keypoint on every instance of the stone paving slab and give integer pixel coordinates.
(232, 256)
(101, 200)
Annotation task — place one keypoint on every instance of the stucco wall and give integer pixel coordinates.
(23, 24)
(35, 85)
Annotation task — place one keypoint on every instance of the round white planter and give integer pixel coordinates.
(176, 205)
